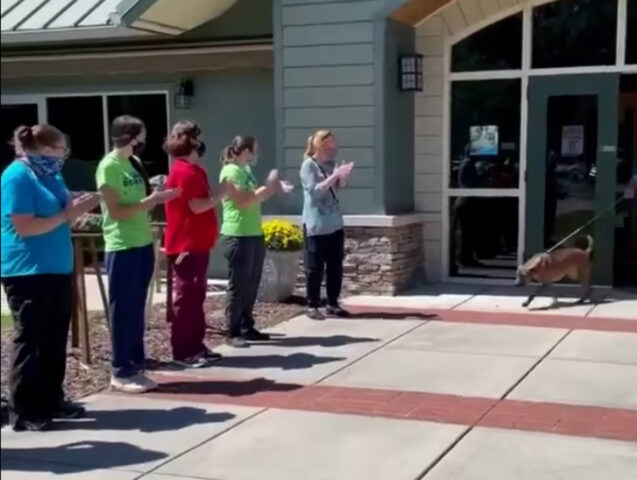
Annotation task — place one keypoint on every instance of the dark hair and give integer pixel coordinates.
(124, 129)
(36, 137)
(237, 147)
(183, 139)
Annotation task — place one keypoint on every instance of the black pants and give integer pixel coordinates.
(245, 257)
(41, 309)
(324, 252)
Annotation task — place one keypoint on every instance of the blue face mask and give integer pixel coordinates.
(45, 165)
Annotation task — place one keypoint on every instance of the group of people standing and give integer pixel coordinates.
(37, 259)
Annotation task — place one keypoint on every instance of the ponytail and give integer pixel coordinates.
(315, 141)
(239, 144)
(35, 137)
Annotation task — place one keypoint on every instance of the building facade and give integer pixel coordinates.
(524, 129)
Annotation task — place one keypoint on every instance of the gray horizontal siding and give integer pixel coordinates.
(328, 76)
(346, 137)
(324, 13)
(362, 178)
(362, 157)
(354, 54)
(328, 34)
(329, 96)
(329, 117)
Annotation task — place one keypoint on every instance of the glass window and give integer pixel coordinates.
(486, 50)
(81, 119)
(483, 244)
(574, 33)
(151, 109)
(485, 134)
(631, 32)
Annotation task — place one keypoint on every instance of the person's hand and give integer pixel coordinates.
(343, 171)
(273, 179)
(81, 204)
(163, 196)
(286, 187)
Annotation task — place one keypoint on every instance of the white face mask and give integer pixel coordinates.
(255, 159)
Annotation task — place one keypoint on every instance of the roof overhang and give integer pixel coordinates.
(168, 17)
(156, 61)
(57, 21)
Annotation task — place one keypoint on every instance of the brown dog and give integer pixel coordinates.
(548, 268)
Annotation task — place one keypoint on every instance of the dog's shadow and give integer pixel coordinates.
(576, 303)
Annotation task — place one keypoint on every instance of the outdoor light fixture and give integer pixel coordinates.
(184, 94)
(411, 73)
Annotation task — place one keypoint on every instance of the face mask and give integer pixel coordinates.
(255, 159)
(201, 149)
(45, 165)
(139, 148)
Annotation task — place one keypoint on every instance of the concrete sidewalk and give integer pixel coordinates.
(456, 394)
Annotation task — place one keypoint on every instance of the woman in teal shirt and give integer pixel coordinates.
(37, 262)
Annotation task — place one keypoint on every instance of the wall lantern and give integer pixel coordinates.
(184, 94)
(411, 73)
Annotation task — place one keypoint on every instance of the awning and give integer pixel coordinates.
(41, 21)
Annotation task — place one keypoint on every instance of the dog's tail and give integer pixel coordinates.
(589, 248)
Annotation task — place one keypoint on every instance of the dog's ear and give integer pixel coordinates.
(534, 263)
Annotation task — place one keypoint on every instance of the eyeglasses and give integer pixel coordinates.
(63, 149)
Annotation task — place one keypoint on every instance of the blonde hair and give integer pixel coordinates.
(315, 141)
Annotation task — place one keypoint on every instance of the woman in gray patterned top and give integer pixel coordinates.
(324, 239)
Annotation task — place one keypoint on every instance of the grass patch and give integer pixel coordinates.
(6, 320)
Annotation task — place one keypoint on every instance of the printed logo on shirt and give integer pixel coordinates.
(132, 179)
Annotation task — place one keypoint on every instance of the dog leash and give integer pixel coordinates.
(591, 221)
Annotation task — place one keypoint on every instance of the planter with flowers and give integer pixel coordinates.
(283, 242)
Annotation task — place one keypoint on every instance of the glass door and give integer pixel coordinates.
(571, 163)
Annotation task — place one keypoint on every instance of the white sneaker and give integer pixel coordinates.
(136, 384)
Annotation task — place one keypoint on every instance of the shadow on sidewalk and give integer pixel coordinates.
(576, 303)
(329, 342)
(295, 361)
(76, 457)
(372, 313)
(226, 387)
(147, 421)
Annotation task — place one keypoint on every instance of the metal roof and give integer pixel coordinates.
(49, 15)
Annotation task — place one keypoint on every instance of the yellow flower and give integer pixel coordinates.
(281, 235)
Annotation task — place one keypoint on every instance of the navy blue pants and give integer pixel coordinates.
(129, 275)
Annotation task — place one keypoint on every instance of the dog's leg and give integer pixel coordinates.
(585, 279)
(539, 290)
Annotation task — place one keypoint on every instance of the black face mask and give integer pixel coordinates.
(139, 148)
(201, 149)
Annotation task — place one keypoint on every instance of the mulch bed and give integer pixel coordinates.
(84, 380)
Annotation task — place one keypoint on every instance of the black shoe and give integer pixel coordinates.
(22, 425)
(211, 356)
(66, 409)
(314, 314)
(336, 311)
(254, 335)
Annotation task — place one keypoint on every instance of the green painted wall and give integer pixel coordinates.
(398, 111)
(336, 67)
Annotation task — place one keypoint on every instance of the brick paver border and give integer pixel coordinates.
(502, 318)
(555, 418)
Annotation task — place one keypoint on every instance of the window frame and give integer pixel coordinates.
(41, 100)
(523, 74)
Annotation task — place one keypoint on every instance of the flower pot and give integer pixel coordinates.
(280, 270)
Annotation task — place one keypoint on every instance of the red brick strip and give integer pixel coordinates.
(581, 421)
(501, 318)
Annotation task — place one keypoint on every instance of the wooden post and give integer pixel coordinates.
(100, 281)
(81, 313)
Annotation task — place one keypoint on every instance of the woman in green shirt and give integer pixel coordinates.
(243, 236)
(127, 199)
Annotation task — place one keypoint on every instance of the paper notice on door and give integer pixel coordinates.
(572, 140)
